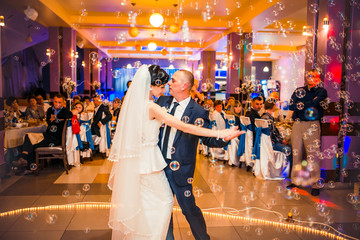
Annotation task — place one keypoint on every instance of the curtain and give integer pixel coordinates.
(21, 73)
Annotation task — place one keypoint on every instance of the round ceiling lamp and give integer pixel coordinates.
(134, 32)
(156, 19)
(152, 46)
(174, 28)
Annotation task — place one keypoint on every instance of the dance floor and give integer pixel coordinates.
(236, 206)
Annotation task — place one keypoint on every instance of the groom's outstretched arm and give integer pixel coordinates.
(211, 141)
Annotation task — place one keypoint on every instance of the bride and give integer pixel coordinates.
(142, 200)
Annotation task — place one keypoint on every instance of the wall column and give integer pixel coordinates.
(233, 52)
(54, 44)
(68, 62)
(87, 72)
(208, 60)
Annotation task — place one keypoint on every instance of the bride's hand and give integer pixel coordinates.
(228, 134)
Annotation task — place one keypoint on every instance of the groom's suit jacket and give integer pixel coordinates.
(186, 144)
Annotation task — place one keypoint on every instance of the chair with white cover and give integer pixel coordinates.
(86, 138)
(73, 146)
(247, 155)
(104, 141)
(57, 152)
(269, 164)
(232, 148)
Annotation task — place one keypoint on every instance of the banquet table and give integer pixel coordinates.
(14, 137)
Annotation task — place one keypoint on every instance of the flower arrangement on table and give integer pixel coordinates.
(69, 86)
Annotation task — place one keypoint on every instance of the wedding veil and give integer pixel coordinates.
(126, 215)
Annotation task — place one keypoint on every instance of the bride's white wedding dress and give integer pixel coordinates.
(142, 200)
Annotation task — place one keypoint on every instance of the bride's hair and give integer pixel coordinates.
(158, 75)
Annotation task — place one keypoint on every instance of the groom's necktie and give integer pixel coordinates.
(167, 132)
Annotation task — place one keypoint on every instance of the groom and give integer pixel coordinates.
(179, 149)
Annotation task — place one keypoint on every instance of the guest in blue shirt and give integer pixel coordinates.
(306, 106)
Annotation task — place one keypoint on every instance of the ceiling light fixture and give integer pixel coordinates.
(152, 46)
(31, 13)
(156, 19)
(266, 69)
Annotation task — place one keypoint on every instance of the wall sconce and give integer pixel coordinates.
(171, 66)
(306, 31)
(128, 66)
(156, 19)
(201, 66)
(326, 24)
(2, 21)
(99, 64)
(83, 63)
(266, 69)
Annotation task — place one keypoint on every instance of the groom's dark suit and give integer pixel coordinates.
(185, 146)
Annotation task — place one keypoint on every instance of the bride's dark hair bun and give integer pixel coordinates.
(158, 75)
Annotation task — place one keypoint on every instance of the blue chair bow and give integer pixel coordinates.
(241, 148)
(80, 145)
(258, 132)
(88, 132)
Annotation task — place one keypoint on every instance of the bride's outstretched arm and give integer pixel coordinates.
(160, 114)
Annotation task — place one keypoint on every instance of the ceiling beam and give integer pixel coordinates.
(114, 52)
(106, 44)
(106, 19)
(54, 6)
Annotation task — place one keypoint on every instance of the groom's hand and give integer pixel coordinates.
(233, 134)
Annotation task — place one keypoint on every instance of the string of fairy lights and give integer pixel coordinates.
(231, 214)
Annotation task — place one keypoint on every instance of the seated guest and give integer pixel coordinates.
(34, 111)
(236, 109)
(102, 115)
(194, 93)
(116, 109)
(40, 101)
(76, 99)
(55, 118)
(218, 116)
(208, 104)
(80, 113)
(230, 101)
(127, 85)
(14, 109)
(279, 144)
(253, 113)
(89, 106)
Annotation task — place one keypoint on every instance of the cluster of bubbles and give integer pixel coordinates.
(93, 58)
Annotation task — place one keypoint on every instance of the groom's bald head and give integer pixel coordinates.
(188, 78)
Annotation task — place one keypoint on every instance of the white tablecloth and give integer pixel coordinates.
(14, 137)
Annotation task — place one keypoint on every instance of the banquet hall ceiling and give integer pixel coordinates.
(276, 25)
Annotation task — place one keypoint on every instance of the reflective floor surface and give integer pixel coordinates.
(236, 205)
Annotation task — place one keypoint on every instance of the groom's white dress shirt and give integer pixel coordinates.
(179, 111)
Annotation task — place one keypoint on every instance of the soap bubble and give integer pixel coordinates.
(300, 105)
(199, 122)
(295, 211)
(187, 193)
(65, 193)
(86, 187)
(331, 184)
(30, 216)
(311, 114)
(51, 218)
(313, 8)
(259, 231)
(185, 119)
(320, 183)
(198, 192)
(174, 165)
(300, 93)
(33, 167)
